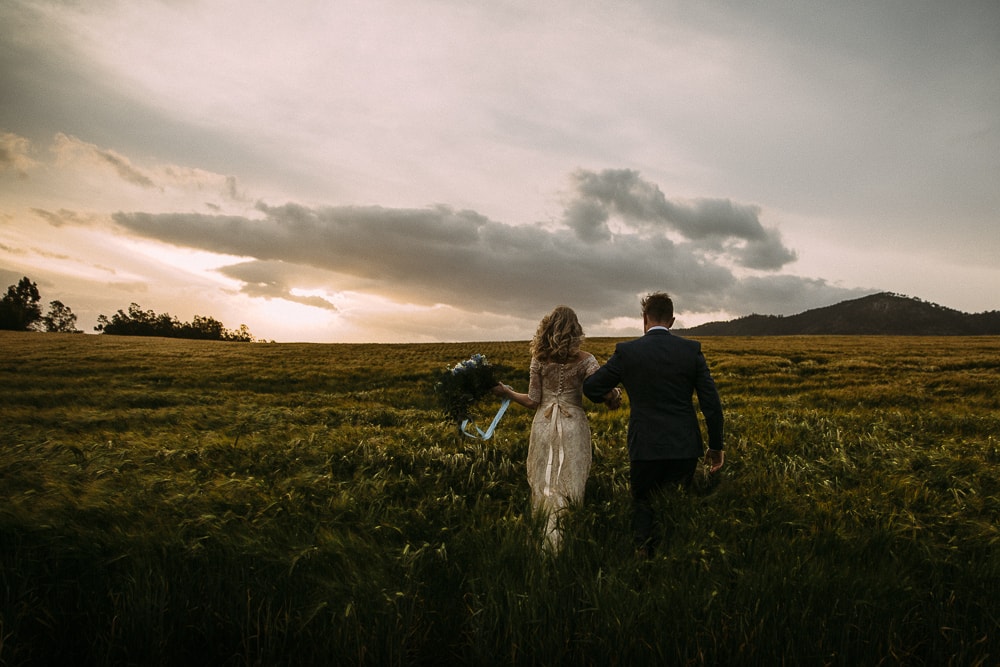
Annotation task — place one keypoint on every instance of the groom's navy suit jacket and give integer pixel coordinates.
(661, 373)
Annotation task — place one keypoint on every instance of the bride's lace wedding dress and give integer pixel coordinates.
(559, 451)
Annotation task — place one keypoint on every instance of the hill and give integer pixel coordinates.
(877, 314)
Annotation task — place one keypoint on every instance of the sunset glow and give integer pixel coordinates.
(416, 171)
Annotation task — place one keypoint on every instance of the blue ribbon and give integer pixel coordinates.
(488, 433)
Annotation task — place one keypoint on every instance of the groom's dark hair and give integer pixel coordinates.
(658, 307)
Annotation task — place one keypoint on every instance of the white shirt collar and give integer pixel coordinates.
(659, 326)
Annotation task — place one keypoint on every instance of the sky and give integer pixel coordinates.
(446, 170)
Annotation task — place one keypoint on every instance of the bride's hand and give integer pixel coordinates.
(501, 389)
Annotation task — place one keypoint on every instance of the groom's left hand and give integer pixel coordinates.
(715, 458)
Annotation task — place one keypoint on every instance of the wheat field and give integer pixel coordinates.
(168, 502)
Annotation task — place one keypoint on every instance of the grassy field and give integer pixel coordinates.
(168, 502)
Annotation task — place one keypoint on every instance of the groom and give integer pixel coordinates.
(660, 373)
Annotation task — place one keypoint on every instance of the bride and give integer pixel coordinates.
(559, 451)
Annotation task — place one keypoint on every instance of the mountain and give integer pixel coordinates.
(877, 314)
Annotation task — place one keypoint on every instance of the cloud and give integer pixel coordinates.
(783, 295)
(70, 148)
(226, 187)
(65, 217)
(14, 155)
(273, 280)
(12, 250)
(440, 255)
(724, 226)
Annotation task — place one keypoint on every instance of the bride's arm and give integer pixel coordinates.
(533, 398)
(613, 398)
(507, 391)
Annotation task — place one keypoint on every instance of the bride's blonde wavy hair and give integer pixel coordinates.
(558, 337)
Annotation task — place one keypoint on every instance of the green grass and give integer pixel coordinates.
(169, 502)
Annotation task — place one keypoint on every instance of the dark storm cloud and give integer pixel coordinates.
(459, 257)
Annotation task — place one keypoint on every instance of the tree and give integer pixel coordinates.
(241, 335)
(139, 322)
(201, 328)
(60, 319)
(19, 308)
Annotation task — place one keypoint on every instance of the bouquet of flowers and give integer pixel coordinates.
(461, 385)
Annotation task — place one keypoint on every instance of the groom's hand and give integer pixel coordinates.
(715, 458)
(613, 399)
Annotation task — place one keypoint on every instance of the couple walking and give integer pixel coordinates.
(660, 373)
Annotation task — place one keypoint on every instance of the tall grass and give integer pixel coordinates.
(166, 502)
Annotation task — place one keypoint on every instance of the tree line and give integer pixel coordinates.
(20, 310)
(139, 322)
